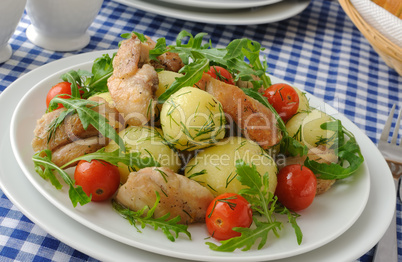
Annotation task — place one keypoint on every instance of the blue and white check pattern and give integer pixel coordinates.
(319, 50)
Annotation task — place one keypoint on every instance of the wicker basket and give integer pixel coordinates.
(388, 51)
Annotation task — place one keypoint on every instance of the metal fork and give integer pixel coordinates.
(386, 249)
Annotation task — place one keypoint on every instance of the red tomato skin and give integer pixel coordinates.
(98, 178)
(221, 73)
(284, 99)
(59, 88)
(296, 187)
(220, 218)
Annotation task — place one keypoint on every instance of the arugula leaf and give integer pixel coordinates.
(45, 168)
(349, 154)
(130, 159)
(247, 238)
(159, 49)
(263, 202)
(91, 82)
(164, 223)
(251, 50)
(192, 72)
(87, 116)
(74, 77)
(102, 69)
(196, 55)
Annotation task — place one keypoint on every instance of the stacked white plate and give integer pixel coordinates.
(229, 12)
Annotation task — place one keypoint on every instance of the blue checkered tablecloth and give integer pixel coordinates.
(319, 49)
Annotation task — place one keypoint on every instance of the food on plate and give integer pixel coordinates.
(63, 89)
(192, 119)
(305, 127)
(284, 98)
(296, 187)
(69, 138)
(178, 129)
(134, 95)
(166, 79)
(179, 196)
(98, 179)
(255, 121)
(226, 212)
(221, 74)
(215, 167)
(149, 142)
(77, 148)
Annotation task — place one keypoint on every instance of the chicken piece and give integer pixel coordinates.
(320, 154)
(71, 129)
(179, 195)
(168, 61)
(255, 120)
(134, 82)
(134, 95)
(66, 153)
(132, 54)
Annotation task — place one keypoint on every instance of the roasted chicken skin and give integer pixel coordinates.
(255, 120)
(179, 195)
(70, 139)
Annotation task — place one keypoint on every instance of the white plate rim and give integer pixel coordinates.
(266, 14)
(228, 4)
(67, 211)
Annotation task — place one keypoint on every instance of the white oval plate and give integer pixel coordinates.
(228, 4)
(259, 15)
(327, 218)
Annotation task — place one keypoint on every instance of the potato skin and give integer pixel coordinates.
(148, 141)
(166, 79)
(305, 127)
(303, 101)
(215, 167)
(192, 119)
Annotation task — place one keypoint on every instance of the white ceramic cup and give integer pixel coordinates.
(61, 25)
(10, 14)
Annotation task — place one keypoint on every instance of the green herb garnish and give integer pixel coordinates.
(348, 151)
(91, 82)
(198, 57)
(82, 108)
(46, 169)
(144, 217)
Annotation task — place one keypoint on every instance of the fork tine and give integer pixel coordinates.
(387, 127)
(396, 131)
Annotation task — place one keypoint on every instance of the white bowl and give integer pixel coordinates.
(61, 25)
(10, 14)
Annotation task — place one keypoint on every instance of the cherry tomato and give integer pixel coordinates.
(225, 212)
(221, 73)
(296, 187)
(58, 89)
(98, 178)
(284, 99)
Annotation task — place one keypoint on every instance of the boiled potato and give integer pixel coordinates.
(215, 167)
(305, 127)
(150, 143)
(303, 101)
(107, 97)
(166, 78)
(192, 119)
